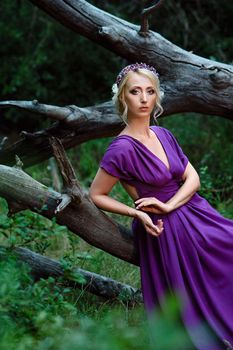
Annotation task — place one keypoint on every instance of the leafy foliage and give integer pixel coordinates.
(41, 316)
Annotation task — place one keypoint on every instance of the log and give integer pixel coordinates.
(44, 267)
(83, 219)
(73, 128)
(191, 83)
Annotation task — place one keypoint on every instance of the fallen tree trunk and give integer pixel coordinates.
(84, 219)
(44, 267)
(190, 82)
(75, 126)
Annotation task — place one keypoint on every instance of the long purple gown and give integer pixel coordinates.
(193, 257)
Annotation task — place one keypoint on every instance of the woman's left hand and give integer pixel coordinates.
(153, 205)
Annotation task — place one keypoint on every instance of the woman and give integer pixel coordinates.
(185, 245)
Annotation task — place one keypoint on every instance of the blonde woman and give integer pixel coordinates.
(185, 245)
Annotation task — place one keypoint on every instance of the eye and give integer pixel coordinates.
(151, 92)
(134, 92)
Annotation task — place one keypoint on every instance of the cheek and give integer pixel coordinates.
(130, 101)
(153, 101)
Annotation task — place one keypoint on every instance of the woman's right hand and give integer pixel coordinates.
(150, 227)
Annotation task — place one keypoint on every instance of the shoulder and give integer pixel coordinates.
(119, 150)
(120, 144)
(116, 156)
(162, 130)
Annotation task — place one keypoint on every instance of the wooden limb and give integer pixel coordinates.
(187, 86)
(90, 123)
(19, 163)
(70, 182)
(144, 30)
(85, 220)
(44, 267)
(190, 83)
(53, 112)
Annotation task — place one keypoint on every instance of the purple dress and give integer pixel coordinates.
(193, 257)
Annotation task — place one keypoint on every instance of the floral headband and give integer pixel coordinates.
(134, 67)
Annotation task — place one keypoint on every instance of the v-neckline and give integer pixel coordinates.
(156, 134)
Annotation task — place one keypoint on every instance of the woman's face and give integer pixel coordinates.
(140, 95)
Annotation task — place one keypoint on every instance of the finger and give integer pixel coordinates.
(145, 203)
(152, 232)
(139, 200)
(151, 228)
(155, 232)
(155, 229)
(152, 210)
(143, 199)
(160, 222)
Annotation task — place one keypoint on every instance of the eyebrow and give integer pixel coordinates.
(139, 87)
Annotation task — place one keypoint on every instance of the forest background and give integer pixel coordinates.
(42, 60)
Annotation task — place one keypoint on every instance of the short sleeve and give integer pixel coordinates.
(114, 160)
(176, 146)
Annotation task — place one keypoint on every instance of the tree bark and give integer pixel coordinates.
(74, 126)
(44, 267)
(191, 83)
(83, 219)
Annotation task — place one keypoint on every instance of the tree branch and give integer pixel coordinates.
(83, 125)
(191, 83)
(71, 184)
(144, 30)
(67, 114)
(85, 220)
(44, 267)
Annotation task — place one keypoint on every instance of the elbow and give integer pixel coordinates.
(92, 195)
(95, 197)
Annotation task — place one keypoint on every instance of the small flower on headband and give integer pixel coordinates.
(134, 67)
(114, 88)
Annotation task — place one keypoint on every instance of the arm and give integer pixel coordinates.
(186, 191)
(99, 190)
(184, 194)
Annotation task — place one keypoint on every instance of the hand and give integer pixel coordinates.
(150, 227)
(153, 205)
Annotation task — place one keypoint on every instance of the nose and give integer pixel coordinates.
(143, 96)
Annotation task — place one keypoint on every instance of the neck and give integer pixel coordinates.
(139, 127)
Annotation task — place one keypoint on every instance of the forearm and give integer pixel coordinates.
(107, 203)
(185, 192)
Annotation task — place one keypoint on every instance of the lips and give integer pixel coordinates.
(143, 108)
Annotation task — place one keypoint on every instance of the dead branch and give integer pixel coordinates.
(92, 122)
(85, 220)
(191, 83)
(71, 184)
(44, 267)
(53, 112)
(144, 30)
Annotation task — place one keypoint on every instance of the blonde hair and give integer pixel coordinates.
(119, 94)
